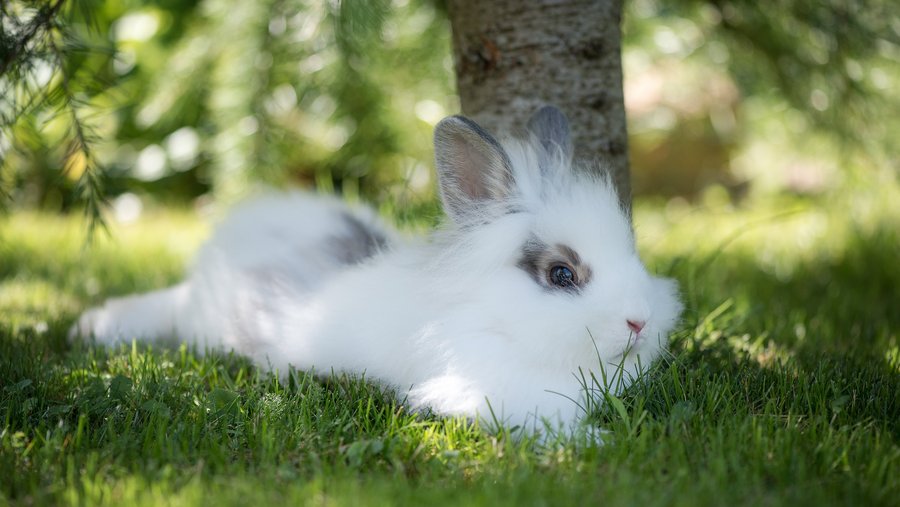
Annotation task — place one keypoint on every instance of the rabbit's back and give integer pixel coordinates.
(298, 238)
(277, 247)
(280, 246)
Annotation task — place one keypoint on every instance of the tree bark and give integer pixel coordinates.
(513, 56)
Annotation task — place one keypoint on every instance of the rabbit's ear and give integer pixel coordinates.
(472, 167)
(550, 126)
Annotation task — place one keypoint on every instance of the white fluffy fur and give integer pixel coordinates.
(451, 322)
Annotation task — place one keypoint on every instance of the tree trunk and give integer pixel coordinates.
(513, 56)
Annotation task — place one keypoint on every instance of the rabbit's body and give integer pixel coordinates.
(533, 283)
(279, 245)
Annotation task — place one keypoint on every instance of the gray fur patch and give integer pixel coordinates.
(357, 242)
(537, 258)
(531, 260)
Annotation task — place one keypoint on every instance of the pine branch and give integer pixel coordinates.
(89, 186)
(42, 21)
(44, 38)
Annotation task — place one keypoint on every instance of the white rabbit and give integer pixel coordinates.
(533, 279)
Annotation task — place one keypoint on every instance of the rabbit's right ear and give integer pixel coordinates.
(550, 126)
(472, 167)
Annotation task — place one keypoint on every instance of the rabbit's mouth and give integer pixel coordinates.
(634, 341)
(634, 345)
(627, 347)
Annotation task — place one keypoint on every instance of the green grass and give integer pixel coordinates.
(783, 386)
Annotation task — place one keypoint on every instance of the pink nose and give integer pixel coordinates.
(636, 325)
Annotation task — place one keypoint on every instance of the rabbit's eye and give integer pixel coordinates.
(562, 276)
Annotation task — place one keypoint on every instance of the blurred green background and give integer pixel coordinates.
(163, 102)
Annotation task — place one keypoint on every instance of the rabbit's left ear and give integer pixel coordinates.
(472, 167)
(550, 126)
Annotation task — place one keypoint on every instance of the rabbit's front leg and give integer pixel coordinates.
(448, 394)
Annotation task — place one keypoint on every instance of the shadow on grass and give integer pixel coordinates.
(844, 305)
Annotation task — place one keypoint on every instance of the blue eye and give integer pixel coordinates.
(562, 276)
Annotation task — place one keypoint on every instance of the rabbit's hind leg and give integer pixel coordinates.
(150, 316)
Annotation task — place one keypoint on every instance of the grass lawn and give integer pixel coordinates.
(783, 386)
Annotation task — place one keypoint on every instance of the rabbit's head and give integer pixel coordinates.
(544, 249)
